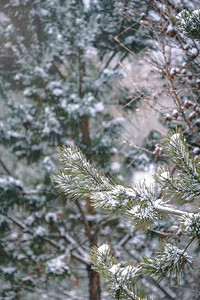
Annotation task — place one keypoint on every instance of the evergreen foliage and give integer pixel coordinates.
(185, 185)
(169, 261)
(59, 80)
(140, 207)
(121, 280)
(189, 23)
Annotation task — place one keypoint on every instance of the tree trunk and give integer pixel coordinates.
(85, 129)
(94, 279)
(94, 284)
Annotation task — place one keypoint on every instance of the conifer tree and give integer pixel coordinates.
(59, 81)
(142, 206)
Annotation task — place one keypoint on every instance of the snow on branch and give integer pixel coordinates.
(189, 23)
(139, 203)
(169, 262)
(78, 179)
(121, 280)
(184, 184)
(141, 206)
(190, 223)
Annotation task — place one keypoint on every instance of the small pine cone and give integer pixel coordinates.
(197, 159)
(158, 151)
(168, 117)
(197, 109)
(143, 16)
(179, 233)
(186, 47)
(172, 71)
(188, 104)
(196, 150)
(190, 76)
(197, 122)
(161, 151)
(175, 114)
(192, 115)
(171, 31)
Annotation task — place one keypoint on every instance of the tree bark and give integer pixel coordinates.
(92, 232)
(93, 276)
(94, 284)
(85, 129)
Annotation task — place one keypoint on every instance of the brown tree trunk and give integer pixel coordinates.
(85, 129)
(94, 284)
(91, 229)
(94, 279)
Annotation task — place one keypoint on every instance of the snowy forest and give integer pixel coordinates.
(100, 149)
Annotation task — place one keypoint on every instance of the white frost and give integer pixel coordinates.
(115, 268)
(165, 175)
(175, 137)
(57, 92)
(103, 249)
(40, 231)
(57, 266)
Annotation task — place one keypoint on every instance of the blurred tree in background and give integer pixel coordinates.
(175, 56)
(60, 76)
(59, 86)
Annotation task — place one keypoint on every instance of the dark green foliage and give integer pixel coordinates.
(169, 262)
(191, 225)
(59, 82)
(11, 192)
(183, 183)
(141, 206)
(189, 23)
(120, 280)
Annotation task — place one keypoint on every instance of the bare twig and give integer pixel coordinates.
(86, 224)
(5, 168)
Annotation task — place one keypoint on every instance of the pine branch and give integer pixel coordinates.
(189, 23)
(169, 262)
(78, 179)
(83, 257)
(166, 290)
(5, 168)
(169, 210)
(140, 206)
(121, 280)
(190, 224)
(184, 184)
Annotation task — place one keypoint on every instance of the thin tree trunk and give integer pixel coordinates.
(94, 279)
(94, 284)
(92, 232)
(85, 129)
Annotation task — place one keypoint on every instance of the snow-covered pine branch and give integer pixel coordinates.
(78, 179)
(169, 261)
(141, 207)
(190, 224)
(121, 280)
(189, 23)
(184, 183)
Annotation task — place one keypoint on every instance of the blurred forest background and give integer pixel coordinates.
(108, 77)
